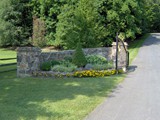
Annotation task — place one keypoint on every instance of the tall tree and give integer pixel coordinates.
(16, 22)
(123, 16)
(48, 10)
(80, 22)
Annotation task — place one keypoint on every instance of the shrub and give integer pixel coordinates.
(55, 62)
(96, 59)
(63, 68)
(46, 66)
(78, 57)
(110, 64)
(59, 68)
(68, 58)
(100, 66)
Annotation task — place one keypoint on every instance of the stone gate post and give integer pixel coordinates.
(27, 60)
(122, 56)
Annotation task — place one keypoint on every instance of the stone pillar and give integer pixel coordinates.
(122, 56)
(27, 60)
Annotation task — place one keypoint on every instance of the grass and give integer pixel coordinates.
(60, 99)
(4, 53)
(54, 99)
(135, 45)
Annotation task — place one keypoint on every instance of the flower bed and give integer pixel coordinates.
(79, 74)
(77, 65)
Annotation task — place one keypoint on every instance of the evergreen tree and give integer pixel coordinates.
(16, 22)
(48, 10)
(79, 57)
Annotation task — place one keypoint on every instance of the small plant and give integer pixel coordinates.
(84, 73)
(79, 57)
(55, 62)
(110, 64)
(64, 68)
(65, 63)
(46, 66)
(59, 68)
(96, 59)
(68, 58)
(94, 73)
(100, 66)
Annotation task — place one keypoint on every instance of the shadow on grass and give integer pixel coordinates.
(21, 98)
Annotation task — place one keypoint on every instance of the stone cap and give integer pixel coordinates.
(29, 49)
(119, 43)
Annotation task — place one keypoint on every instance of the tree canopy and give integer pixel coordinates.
(92, 22)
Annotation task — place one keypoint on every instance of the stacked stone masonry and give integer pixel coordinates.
(29, 59)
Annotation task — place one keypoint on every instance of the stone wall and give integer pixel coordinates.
(27, 60)
(47, 56)
(30, 58)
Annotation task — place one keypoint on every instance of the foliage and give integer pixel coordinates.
(93, 23)
(110, 64)
(48, 10)
(79, 23)
(96, 59)
(79, 57)
(124, 16)
(16, 22)
(84, 73)
(93, 73)
(100, 66)
(46, 66)
(38, 37)
(68, 58)
(153, 16)
(54, 62)
(63, 68)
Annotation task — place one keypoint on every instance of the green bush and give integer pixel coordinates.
(46, 66)
(55, 62)
(63, 68)
(79, 57)
(110, 64)
(68, 58)
(66, 63)
(96, 59)
(100, 66)
(59, 68)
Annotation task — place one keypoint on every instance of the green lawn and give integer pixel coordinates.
(4, 53)
(54, 99)
(60, 99)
